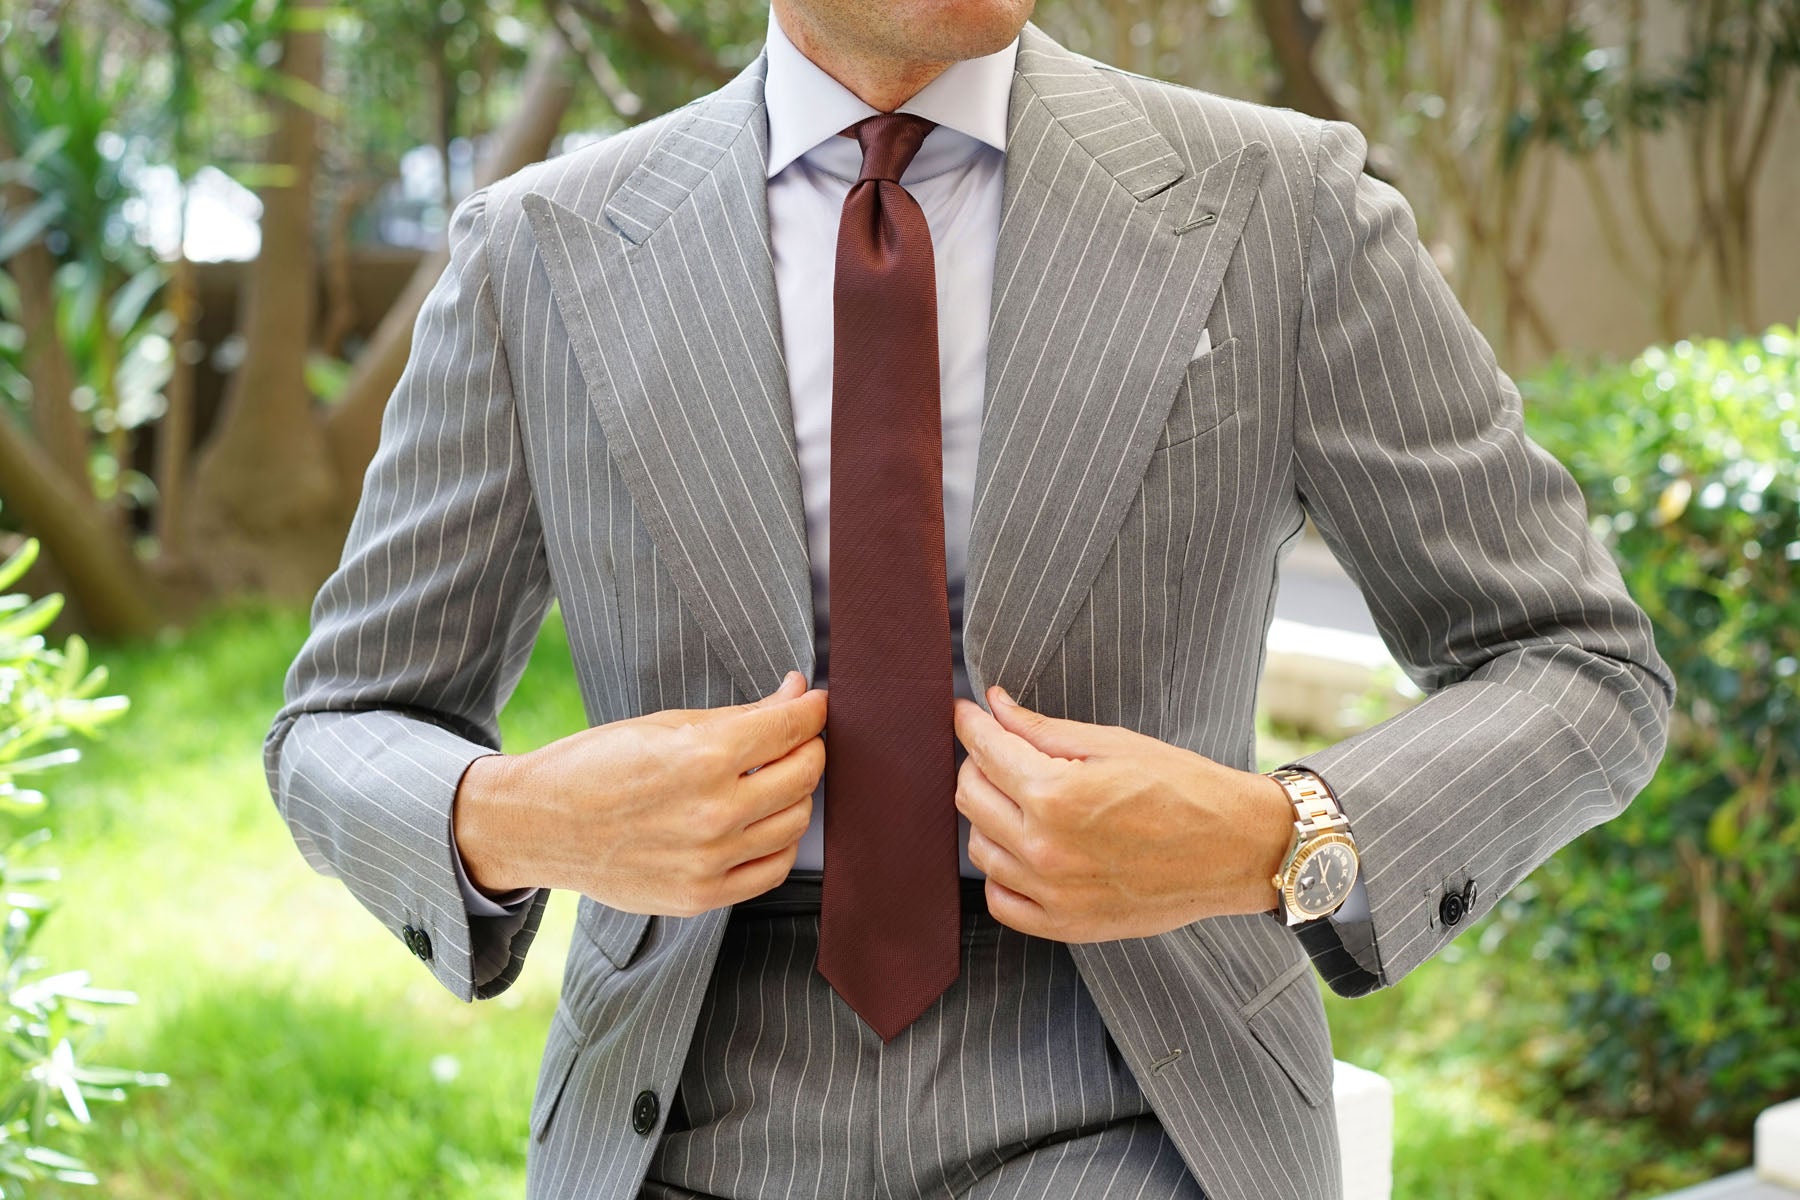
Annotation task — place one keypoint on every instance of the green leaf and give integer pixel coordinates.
(1722, 831)
(19, 801)
(75, 661)
(33, 618)
(19, 232)
(46, 1157)
(128, 302)
(14, 568)
(43, 762)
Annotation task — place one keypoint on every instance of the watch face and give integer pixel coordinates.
(1322, 878)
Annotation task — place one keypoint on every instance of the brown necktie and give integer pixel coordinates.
(890, 910)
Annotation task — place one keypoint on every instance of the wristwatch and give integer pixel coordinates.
(1321, 863)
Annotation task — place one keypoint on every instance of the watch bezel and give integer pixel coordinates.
(1290, 873)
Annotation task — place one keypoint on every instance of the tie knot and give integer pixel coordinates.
(889, 141)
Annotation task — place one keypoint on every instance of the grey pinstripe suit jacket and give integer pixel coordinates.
(596, 410)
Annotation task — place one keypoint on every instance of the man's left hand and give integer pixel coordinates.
(1091, 832)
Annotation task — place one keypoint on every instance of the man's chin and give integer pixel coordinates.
(954, 30)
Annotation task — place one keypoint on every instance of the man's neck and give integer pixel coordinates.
(882, 83)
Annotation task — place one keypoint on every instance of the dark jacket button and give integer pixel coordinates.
(1451, 908)
(644, 1111)
(423, 949)
(410, 936)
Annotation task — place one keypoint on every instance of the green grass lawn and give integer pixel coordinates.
(312, 1056)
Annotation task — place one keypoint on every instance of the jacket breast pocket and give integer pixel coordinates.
(1209, 394)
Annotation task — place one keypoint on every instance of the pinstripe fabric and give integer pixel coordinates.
(596, 410)
(1008, 1087)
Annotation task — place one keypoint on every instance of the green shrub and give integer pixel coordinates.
(1674, 931)
(45, 694)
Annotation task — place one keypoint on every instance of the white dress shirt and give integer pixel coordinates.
(957, 177)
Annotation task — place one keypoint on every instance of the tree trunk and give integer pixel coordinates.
(271, 493)
(175, 432)
(1292, 33)
(353, 425)
(54, 420)
(264, 493)
(115, 596)
(44, 477)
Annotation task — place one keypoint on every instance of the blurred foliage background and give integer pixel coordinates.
(1676, 936)
(218, 219)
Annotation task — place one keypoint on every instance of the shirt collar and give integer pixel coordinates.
(807, 106)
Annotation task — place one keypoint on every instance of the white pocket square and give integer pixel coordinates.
(1205, 343)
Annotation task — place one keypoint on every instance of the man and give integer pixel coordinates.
(1063, 356)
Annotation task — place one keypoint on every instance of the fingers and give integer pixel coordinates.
(775, 785)
(775, 803)
(777, 831)
(1000, 865)
(758, 875)
(1055, 736)
(765, 729)
(990, 810)
(1018, 911)
(1003, 756)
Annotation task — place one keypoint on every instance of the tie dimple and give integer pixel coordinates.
(889, 141)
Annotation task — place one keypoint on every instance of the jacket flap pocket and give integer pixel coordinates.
(1288, 1019)
(1280, 1005)
(617, 934)
(560, 1052)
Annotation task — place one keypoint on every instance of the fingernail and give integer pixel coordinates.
(1005, 695)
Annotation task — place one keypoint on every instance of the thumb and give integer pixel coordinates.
(792, 684)
(1055, 736)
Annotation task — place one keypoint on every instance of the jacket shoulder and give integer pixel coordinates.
(1204, 126)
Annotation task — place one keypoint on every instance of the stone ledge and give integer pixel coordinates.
(1775, 1174)
(1313, 675)
(1365, 1121)
(1777, 1154)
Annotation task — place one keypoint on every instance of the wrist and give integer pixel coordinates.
(1270, 815)
(485, 824)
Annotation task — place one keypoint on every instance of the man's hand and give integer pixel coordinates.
(674, 812)
(1092, 832)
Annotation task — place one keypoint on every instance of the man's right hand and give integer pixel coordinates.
(674, 812)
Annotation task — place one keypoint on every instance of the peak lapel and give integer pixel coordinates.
(670, 304)
(1111, 253)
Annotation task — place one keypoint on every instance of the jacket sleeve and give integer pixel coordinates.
(419, 636)
(1546, 704)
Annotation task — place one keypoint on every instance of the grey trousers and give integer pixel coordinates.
(1008, 1086)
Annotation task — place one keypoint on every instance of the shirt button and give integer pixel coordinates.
(644, 1111)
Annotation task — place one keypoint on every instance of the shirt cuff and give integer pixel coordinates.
(1355, 906)
(1355, 928)
(480, 904)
